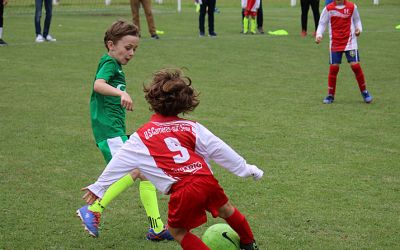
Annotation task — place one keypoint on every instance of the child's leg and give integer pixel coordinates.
(245, 25)
(238, 223)
(332, 77)
(359, 74)
(114, 191)
(148, 196)
(187, 240)
(253, 24)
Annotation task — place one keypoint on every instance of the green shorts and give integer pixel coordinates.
(111, 146)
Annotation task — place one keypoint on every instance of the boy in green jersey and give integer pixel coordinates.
(108, 104)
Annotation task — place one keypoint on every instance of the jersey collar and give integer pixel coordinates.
(160, 118)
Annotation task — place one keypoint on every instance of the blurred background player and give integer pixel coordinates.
(344, 28)
(250, 8)
(2, 4)
(305, 6)
(260, 19)
(108, 104)
(174, 153)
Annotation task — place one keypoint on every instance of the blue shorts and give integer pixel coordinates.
(351, 55)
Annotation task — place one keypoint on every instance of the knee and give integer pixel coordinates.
(177, 233)
(226, 210)
(136, 174)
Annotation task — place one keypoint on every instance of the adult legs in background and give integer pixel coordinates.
(305, 6)
(135, 4)
(48, 5)
(315, 10)
(38, 16)
(149, 16)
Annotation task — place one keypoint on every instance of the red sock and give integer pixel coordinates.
(359, 76)
(192, 242)
(239, 223)
(333, 72)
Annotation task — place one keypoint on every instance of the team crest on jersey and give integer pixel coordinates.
(340, 14)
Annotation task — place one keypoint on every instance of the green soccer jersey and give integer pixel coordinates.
(107, 114)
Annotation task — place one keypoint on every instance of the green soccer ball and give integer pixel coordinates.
(221, 237)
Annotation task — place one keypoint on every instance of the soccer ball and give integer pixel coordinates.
(221, 237)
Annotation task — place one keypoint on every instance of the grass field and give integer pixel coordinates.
(332, 176)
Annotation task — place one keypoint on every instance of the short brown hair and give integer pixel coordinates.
(118, 30)
(170, 93)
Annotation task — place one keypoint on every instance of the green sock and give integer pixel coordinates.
(253, 25)
(245, 25)
(148, 197)
(112, 192)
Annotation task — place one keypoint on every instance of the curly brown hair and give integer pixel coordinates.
(118, 30)
(171, 93)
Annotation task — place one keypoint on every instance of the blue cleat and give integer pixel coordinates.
(366, 96)
(163, 235)
(90, 220)
(328, 99)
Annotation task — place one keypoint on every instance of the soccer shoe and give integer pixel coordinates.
(303, 33)
(2, 43)
(366, 96)
(155, 36)
(251, 246)
(90, 220)
(328, 99)
(201, 34)
(163, 235)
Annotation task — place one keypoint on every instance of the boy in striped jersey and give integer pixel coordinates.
(344, 27)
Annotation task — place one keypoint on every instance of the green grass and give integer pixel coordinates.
(331, 171)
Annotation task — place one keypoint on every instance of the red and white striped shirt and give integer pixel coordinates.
(343, 20)
(169, 149)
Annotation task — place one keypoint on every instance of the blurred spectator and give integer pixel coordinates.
(305, 6)
(45, 36)
(2, 4)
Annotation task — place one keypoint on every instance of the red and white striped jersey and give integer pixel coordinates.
(169, 149)
(343, 20)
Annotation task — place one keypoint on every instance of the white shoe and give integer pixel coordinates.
(107, 2)
(49, 38)
(39, 39)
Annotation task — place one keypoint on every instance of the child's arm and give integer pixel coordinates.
(102, 87)
(357, 21)
(323, 21)
(211, 147)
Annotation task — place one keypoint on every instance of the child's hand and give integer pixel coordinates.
(358, 32)
(256, 173)
(126, 101)
(89, 197)
(318, 39)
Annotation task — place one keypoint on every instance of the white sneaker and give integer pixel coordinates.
(107, 2)
(49, 38)
(39, 39)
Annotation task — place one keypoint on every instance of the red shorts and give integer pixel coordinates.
(191, 198)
